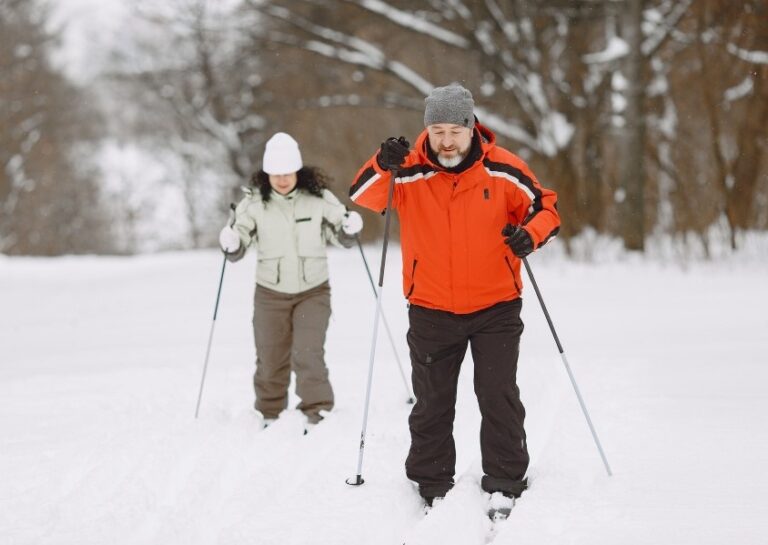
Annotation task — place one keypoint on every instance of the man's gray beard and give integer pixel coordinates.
(450, 162)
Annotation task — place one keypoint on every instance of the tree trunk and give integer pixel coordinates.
(632, 134)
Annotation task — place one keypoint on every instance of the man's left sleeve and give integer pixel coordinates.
(536, 206)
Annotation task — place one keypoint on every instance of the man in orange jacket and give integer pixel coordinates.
(469, 211)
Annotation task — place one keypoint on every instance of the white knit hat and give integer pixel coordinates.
(282, 155)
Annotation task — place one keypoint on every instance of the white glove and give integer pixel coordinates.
(229, 240)
(352, 223)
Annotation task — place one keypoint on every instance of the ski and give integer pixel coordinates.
(460, 517)
(500, 506)
(466, 515)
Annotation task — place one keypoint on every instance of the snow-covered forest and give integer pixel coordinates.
(128, 126)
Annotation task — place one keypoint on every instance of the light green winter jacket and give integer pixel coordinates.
(290, 233)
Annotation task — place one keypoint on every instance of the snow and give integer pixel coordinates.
(616, 48)
(505, 127)
(100, 370)
(89, 29)
(756, 57)
(413, 21)
(657, 27)
(739, 91)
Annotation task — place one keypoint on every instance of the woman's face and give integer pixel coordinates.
(283, 183)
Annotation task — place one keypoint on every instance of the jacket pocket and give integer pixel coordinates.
(268, 270)
(314, 269)
(412, 279)
(514, 278)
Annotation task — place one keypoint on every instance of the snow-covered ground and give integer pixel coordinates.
(100, 365)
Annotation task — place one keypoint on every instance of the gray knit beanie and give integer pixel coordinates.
(451, 104)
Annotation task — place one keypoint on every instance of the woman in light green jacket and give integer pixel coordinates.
(289, 216)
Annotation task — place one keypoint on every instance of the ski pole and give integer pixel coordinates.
(386, 325)
(567, 367)
(215, 312)
(387, 217)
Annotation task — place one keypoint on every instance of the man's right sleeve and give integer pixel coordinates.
(371, 186)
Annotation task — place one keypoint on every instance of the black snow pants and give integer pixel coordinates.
(438, 342)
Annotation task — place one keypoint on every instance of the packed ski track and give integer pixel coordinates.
(100, 366)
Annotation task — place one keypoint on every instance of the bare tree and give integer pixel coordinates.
(194, 79)
(544, 76)
(737, 150)
(710, 138)
(49, 199)
(623, 106)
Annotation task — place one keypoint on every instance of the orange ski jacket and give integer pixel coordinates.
(454, 256)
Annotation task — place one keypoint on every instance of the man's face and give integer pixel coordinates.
(450, 143)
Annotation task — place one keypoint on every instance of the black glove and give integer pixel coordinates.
(393, 153)
(518, 240)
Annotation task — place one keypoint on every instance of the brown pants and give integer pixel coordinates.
(289, 330)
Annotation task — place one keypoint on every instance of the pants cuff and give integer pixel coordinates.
(434, 490)
(508, 487)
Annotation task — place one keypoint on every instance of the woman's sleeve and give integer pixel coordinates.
(245, 226)
(333, 215)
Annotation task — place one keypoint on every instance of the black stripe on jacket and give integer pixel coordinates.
(367, 174)
(407, 172)
(523, 179)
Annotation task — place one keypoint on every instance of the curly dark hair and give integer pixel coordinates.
(310, 179)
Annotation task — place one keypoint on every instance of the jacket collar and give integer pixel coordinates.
(292, 194)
